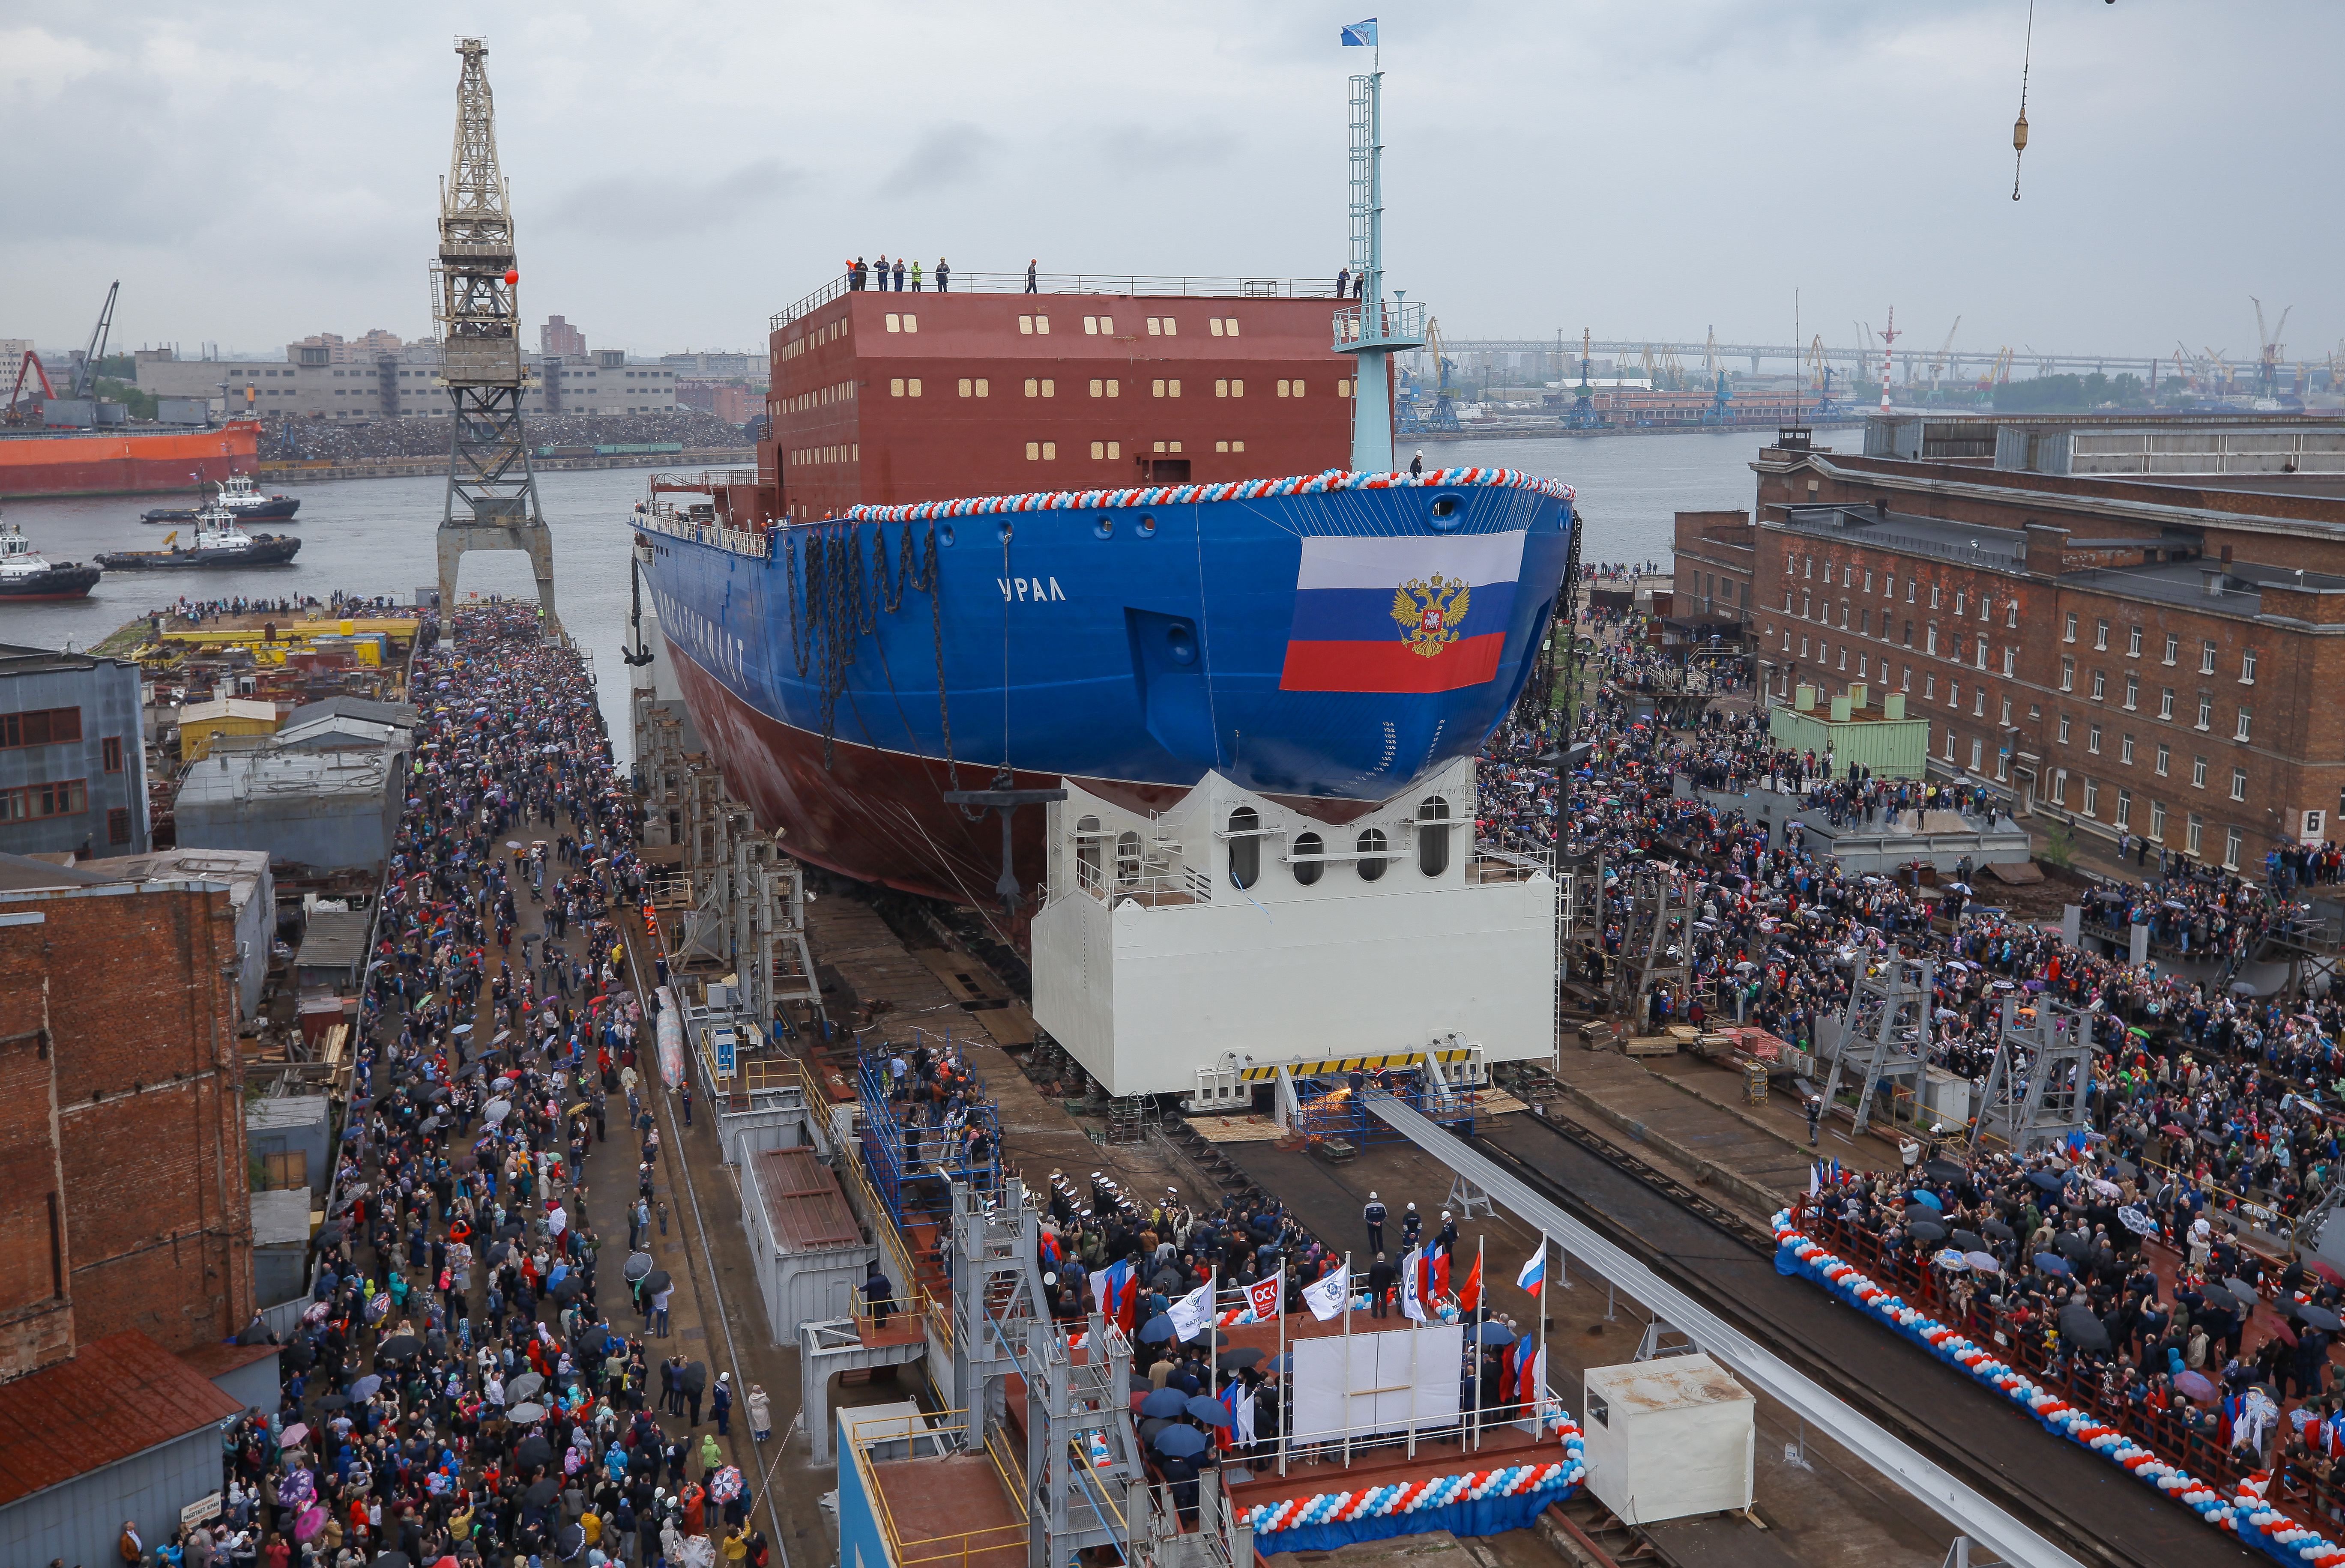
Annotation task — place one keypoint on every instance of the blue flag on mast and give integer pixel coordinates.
(1361, 33)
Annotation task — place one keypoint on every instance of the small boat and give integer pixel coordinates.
(24, 574)
(219, 543)
(239, 498)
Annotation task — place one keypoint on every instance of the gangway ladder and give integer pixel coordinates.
(1129, 1119)
(2035, 1086)
(1078, 1498)
(1885, 1031)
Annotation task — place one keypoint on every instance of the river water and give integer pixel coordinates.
(375, 536)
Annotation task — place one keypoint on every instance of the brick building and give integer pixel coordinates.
(121, 1115)
(1715, 553)
(2133, 652)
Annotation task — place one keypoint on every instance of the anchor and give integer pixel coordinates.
(1006, 799)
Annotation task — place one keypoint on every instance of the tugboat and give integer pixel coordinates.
(239, 500)
(219, 543)
(24, 574)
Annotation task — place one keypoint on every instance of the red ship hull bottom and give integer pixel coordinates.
(881, 816)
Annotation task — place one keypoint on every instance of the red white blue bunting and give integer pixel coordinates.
(1232, 489)
(2245, 1514)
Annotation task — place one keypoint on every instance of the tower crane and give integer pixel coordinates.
(2267, 356)
(1583, 406)
(1938, 365)
(1445, 408)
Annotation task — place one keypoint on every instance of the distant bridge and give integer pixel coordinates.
(1961, 364)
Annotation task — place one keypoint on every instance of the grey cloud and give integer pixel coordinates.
(1152, 147)
(945, 155)
(649, 203)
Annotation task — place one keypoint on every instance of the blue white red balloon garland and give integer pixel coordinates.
(2245, 1514)
(1416, 1496)
(1232, 489)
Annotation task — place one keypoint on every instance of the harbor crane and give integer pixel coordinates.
(1414, 419)
(2267, 356)
(1583, 404)
(85, 368)
(1938, 365)
(30, 365)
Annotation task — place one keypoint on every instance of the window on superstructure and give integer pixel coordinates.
(1026, 325)
(1043, 325)
(1034, 451)
(911, 323)
(1033, 388)
(1343, 388)
(1307, 869)
(1221, 387)
(1433, 836)
(1370, 846)
(1246, 848)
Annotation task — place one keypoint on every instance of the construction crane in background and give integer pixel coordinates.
(15, 413)
(1819, 373)
(1583, 405)
(85, 368)
(1998, 372)
(2219, 371)
(1414, 421)
(1938, 365)
(1889, 336)
(2267, 356)
(1710, 357)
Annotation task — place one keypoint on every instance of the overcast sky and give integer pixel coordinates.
(257, 171)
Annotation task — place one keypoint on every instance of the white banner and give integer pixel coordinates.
(1387, 1373)
(1193, 1313)
(1325, 1296)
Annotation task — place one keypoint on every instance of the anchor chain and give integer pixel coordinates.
(837, 598)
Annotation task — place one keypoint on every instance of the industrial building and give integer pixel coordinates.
(2131, 630)
(311, 382)
(73, 770)
(251, 896)
(321, 811)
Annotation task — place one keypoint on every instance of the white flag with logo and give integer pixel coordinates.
(1412, 1298)
(1193, 1313)
(1326, 1295)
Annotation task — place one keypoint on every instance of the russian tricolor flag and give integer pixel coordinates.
(1401, 613)
(1533, 1274)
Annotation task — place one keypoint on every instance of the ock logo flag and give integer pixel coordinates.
(1360, 35)
(1263, 1295)
(1401, 613)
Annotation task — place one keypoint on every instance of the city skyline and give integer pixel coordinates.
(1636, 171)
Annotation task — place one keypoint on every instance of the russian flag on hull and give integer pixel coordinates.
(1401, 613)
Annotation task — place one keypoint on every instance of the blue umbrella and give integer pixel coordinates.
(1929, 1197)
(365, 1386)
(1284, 1364)
(1494, 1334)
(2045, 1180)
(1180, 1442)
(1164, 1401)
(1156, 1331)
(1207, 1409)
(2051, 1262)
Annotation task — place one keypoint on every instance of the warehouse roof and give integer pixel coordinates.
(281, 775)
(335, 938)
(280, 1216)
(227, 708)
(373, 712)
(803, 1203)
(117, 1398)
(240, 869)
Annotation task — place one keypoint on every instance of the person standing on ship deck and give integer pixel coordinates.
(1030, 265)
(855, 274)
(880, 266)
(944, 277)
(1416, 465)
(916, 278)
(899, 274)
(1343, 284)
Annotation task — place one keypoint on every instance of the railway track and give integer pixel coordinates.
(2065, 1491)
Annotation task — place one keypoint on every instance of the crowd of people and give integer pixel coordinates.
(2209, 1114)
(300, 440)
(478, 1374)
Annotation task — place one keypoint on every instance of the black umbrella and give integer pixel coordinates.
(533, 1452)
(2044, 1179)
(569, 1285)
(2246, 1292)
(497, 1250)
(542, 1491)
(694, 1378)
(1140, 1383)
(399, 1347)
(1164, 1403)
(2083, 1330)
(1926, 1230)
(2322, 1318)
(1969, 1242)
(1153, 1425)
(1941, 1170)
(389, 1559)
(569, 1541)
(1239, 1359)
(638, 1265)
(656, 1281)
(2075, 1246)
(1999, 1231)
(2123, 1170)
(332, 1402)
(256, 1332)
(330, 1232)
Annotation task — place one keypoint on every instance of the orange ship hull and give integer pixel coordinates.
(124, 463)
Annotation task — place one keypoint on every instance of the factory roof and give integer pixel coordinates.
(336, 938)
(336, 731)
(283, 774)
(281, 1217)
(1974, 545)
(373, 712)
(2231, 588)
(286, 1110)
(22, 872)
(227, 708)
(15, 658)
(117, 1398)
(241, 869)
(803, 1203)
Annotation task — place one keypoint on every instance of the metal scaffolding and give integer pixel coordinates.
(2035, 1087)
(1884, 1032)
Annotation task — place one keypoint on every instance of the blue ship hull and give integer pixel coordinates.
(1130, 645)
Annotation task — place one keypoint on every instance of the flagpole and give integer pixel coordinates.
(1282, 1422)
(1347, 1359)
(1474, 1337)
(1416, 1346)
(1539, 1362)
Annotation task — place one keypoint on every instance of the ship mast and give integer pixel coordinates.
(491, 502)
(1372, 328)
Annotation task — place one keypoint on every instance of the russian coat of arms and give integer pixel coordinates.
(1429, 612)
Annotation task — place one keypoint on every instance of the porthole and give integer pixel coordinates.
(1306, 872)
(1147, 526)
(1105, 529)
(1445, 512)
(1002, 532)
(1371, 846)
